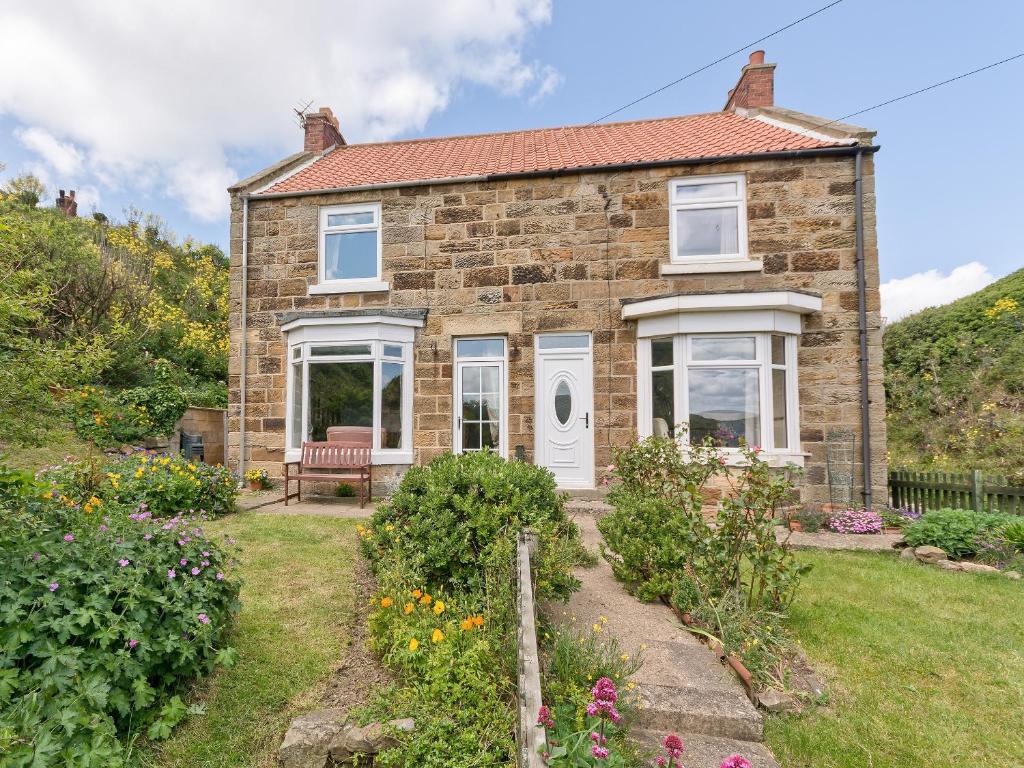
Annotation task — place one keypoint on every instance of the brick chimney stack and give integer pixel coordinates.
(756, 87)
(322, 130)
(68, 204)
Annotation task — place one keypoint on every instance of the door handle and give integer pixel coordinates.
(586, 419)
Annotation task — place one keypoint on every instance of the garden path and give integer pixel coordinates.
(682, 686)
(869, 542)
(319, 506)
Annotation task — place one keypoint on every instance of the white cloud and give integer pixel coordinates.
(158, 95)
(906, 295)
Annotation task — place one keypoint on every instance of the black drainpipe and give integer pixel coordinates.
(862, 325)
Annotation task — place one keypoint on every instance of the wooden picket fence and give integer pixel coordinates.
(924, 491)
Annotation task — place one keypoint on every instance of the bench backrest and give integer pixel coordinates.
(329, 455)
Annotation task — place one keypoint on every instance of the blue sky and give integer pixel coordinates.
(163, 123)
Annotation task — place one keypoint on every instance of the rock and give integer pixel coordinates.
(978, 568)
(777, 701)
(1012, 575)
(930, 554)
(947, 565)
(306, 742)
(352, 741)
(908, 554)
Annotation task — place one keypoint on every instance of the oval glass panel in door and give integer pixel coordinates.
(563, 402)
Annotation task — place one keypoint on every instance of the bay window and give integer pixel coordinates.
(729, 389)
(351, 383)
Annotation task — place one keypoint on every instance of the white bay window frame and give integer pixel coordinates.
(384, 337)
(368, 284)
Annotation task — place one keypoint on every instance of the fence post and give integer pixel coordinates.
(977, 491)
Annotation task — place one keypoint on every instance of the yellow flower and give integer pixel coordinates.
(385, 602)
(437, 637)
(389, 527)
(409, 608)
(426, 599)
(597, 628)
(414, 644)
(439, 607)
(624, 657)
(96, 502)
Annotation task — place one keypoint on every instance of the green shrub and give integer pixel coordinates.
(958, 532)
(446, 519)
(1013, 533)
(104, 617)
(162, 484)
(163, 402)
(98, 416)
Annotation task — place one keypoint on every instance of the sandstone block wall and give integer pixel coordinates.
(524, 256)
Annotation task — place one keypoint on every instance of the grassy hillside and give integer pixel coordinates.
(107, 330)
(954, 379)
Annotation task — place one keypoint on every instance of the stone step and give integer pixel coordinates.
(577, 505)
(702, 751)
(725, 712)
(686, 665)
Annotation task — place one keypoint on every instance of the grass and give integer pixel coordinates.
(296, 602)
(925, 667)
(57, 445)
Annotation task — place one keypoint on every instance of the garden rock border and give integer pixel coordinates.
(325, 734)
(938, 557)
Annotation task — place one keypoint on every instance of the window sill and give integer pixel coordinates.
(354, 286)
(379, 458)
(773, 458)
(702, 267)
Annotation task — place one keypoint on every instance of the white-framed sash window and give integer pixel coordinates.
(480, 408)
(350, 249)
(708, 219)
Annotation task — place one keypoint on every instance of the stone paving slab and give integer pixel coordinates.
(868, 542)
(317, 506)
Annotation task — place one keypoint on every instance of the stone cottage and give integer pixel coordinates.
(551, 294)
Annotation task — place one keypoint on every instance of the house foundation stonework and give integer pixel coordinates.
(522, 257)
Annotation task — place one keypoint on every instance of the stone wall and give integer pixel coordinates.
(208, 422)
(523, 256)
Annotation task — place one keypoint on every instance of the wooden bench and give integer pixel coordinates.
(333, 462)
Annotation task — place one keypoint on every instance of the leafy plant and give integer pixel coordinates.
(344, 491)
(1013, 533)
(104, 614)
(446, 520)
(812, 517)
(958, 532)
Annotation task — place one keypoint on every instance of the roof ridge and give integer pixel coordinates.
(575, 126)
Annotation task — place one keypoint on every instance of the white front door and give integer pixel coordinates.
(565, 408)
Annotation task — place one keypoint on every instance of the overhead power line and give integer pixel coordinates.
(716, 61)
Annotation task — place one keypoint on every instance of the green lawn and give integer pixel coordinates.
(296, 602)
(925, 667)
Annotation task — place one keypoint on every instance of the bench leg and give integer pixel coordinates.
(369, 484)
(299, 496)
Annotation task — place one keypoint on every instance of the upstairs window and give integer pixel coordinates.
(350, 244)
(708, 218)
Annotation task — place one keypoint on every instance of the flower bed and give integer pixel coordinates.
(443, 549)
(106, 612)
(855, 521)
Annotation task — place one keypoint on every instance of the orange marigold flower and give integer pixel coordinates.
(417, 593)
(426, 599)
(467, 624)
(478, 620)
(414, 644)
(385, 602)
(409, 608)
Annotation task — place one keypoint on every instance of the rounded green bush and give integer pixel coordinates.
(446, 519)
(958, 532)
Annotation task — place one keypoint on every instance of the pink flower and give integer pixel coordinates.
(171, 574)
(601, 753)
(220, 576)
(673, 745)
(545, 718)
(103, 529)
(183, 561)
(604, 690)
(194, 571)
(123, 562)
(660, 761)
(203, 618)
(206, 554)
(54, 586)
(132, 643)
(735, 761)
(68, 537)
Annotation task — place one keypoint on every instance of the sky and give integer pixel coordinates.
(162, 105)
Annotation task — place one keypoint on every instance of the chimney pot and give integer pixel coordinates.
(756, 86)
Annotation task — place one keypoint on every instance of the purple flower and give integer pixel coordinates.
(205, 563)
(206, 554)
(103, 529)
(54, 586)
(735, 761)
(194, 571)
(220, 576)
(132, 643)
(68, 537)
(124, 562)
(600, 753)
(183, 561)
(171, 574)
(147, 537)
(36, 556)
(203, 618)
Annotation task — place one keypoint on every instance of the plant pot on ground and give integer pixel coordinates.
(795, 525)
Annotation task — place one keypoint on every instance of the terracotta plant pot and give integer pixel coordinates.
(892, 529)
(255, 485)
(795, 525)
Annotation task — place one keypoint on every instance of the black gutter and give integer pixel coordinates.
(792, 154)
(862, 325)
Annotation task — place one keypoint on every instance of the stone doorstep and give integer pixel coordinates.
(702, 751)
